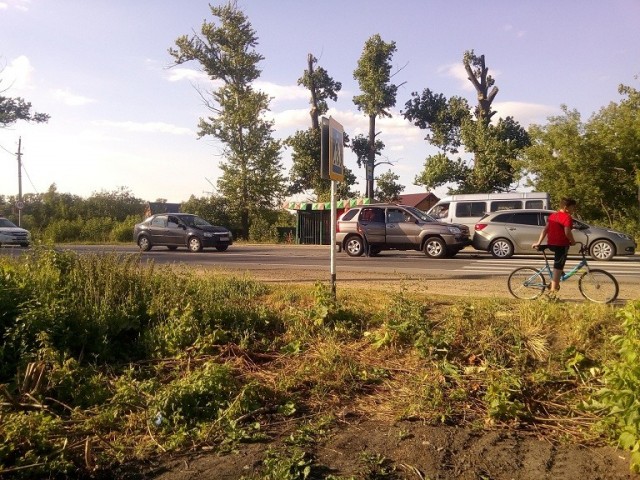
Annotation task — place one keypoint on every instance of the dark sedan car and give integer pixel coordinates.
(175, 230)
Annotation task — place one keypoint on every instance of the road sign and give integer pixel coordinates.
(19, 205)
(332, 150)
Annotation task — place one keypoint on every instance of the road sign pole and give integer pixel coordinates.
(333, 239)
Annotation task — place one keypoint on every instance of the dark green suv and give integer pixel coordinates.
(398, 227)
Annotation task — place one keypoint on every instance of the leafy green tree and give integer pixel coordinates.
(495, 147)
(596, 162)
(251, 177)
(214, 208)
(14, 109)
(388, 189)
(305, 170)
(378, 93)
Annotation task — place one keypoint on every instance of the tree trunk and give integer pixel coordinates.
(371, 160)
(315, 122)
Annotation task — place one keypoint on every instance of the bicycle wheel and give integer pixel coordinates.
(598, 286)
(526, 283)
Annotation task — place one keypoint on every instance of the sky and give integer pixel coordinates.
(123, 117)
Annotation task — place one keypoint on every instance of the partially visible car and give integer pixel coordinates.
(11, 234)
(173, 230)
(508, 232)
(398, 227)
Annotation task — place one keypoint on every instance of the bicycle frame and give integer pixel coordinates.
(565, 276)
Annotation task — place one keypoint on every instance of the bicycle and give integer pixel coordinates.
(528, 283)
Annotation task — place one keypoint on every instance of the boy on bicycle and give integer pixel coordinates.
(560, 238)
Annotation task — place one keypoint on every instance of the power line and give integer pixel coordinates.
(27, 174)
(8, 151)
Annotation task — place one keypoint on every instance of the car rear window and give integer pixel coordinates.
(372, 215)
(349, 214)
(503, 218)
(525, 218)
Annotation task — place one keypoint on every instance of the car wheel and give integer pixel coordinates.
(172, 247)
(195, 245)
(222, 248)
(435, 247)
(602, 250)
(501, 248)
(354, 246)
(144, 243)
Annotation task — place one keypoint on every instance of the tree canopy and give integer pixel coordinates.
(251, 174)
(596, 162)
(373, 74)
(14, 109)
(305, 169)
(494, 148)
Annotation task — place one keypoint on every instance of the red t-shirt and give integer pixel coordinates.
(555, 233)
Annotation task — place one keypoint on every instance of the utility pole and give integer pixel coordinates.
(19, 203)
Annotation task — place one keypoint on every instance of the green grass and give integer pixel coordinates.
(106, 361)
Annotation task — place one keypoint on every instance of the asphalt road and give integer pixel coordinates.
(249, 258)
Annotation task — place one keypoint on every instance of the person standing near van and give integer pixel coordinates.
(560, 238)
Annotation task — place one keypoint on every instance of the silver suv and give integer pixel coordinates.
(398, 227)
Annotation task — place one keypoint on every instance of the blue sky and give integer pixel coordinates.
(121, 118)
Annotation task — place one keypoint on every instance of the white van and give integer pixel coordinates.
(469, 208)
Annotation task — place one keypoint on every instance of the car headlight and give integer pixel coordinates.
(208, 234)
(621, 235)
(455, 230)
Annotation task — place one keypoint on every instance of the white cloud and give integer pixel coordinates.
(456, 71)
(281, 93)
(525, 113)
(17, 74)
(178, 74)
(146, 127)
(71, 99)
(22, 5)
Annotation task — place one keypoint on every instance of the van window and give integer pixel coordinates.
(534, 204)
(470, 209)
(505, 205)
(440, 211)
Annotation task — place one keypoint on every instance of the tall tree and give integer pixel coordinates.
(305, 170)
(378, 93)
(495, 147)
(251, 177)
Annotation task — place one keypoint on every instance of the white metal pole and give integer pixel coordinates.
(333, 238)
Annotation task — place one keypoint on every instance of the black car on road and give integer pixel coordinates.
(175, 230)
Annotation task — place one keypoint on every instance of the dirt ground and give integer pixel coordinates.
(413, 450)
